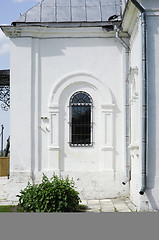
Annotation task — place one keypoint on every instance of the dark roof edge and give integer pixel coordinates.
(68, 24)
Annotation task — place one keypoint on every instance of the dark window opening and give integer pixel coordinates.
(81, 119)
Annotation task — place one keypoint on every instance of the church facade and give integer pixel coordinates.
(84, 98)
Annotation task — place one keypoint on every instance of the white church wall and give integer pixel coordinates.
(41, 64)
(90, 56)
(152, 192)
(4, 190)
(150, 200)
(21, 76)
(135, 98)
(46, 69)
(20, 116)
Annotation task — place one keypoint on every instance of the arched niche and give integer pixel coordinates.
(65, 87)
(79, 78)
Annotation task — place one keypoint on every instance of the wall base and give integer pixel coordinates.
(90, 185)
(98, 185)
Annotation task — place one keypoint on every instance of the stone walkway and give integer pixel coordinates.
(109, 205)
(105, 205)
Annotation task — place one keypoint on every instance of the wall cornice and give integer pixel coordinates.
(48, 32)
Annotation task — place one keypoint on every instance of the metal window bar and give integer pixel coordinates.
(81, 121)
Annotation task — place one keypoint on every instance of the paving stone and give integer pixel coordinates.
(93, 202)
(108, 209)
(105, 201)
(84, 202)
(121, 207)
(93, 207)
(106, 205)
(93, 210)
(118, 200)
(131, 206)
(126, 211)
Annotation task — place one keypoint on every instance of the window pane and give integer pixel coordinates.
(81, 105)
(81, 124)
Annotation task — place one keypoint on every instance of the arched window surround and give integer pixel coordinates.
(81, 120)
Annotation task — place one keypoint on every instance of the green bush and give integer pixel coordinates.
(54, 195)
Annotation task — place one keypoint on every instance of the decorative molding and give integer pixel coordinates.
(107, 107)
(134, 149)
(107, 148)
(86, 79)
(53, 148)
(107, 126)
(132, 77)
(5, 97)
(53, 109)
(5, 89)
(54, 129)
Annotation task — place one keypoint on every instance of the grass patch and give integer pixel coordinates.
(8, 208)
(115, 209)
(5, 208)
(11, 208)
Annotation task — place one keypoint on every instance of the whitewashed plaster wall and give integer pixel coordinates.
(135, 103)
(152, 192)
(150, 200)
(39, 68)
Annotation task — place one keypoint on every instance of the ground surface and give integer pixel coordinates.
(96, 206)
(109, 205)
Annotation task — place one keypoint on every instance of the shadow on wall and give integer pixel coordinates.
(62, 45)
(151, 199)
(152, 100)
(116, 113)
(48, 49)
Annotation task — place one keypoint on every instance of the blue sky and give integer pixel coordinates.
(10, 10)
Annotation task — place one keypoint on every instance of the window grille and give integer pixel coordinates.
(81, 124)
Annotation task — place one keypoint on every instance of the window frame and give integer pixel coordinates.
(71, 104)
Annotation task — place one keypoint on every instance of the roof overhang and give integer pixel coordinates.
(129, 17)
(59, 32)
(68, 24)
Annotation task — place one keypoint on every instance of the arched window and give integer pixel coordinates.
(81, 119)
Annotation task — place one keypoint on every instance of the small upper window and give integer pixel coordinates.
(81, 119)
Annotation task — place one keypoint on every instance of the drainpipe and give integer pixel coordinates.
(127, 156)
(127, 119)
(144, 95)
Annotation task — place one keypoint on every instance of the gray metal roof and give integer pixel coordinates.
(71, 11)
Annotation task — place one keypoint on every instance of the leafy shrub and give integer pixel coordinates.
(54, 195)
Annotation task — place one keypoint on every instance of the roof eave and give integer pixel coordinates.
(59, 32)
(67, 24)
(128, 16)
